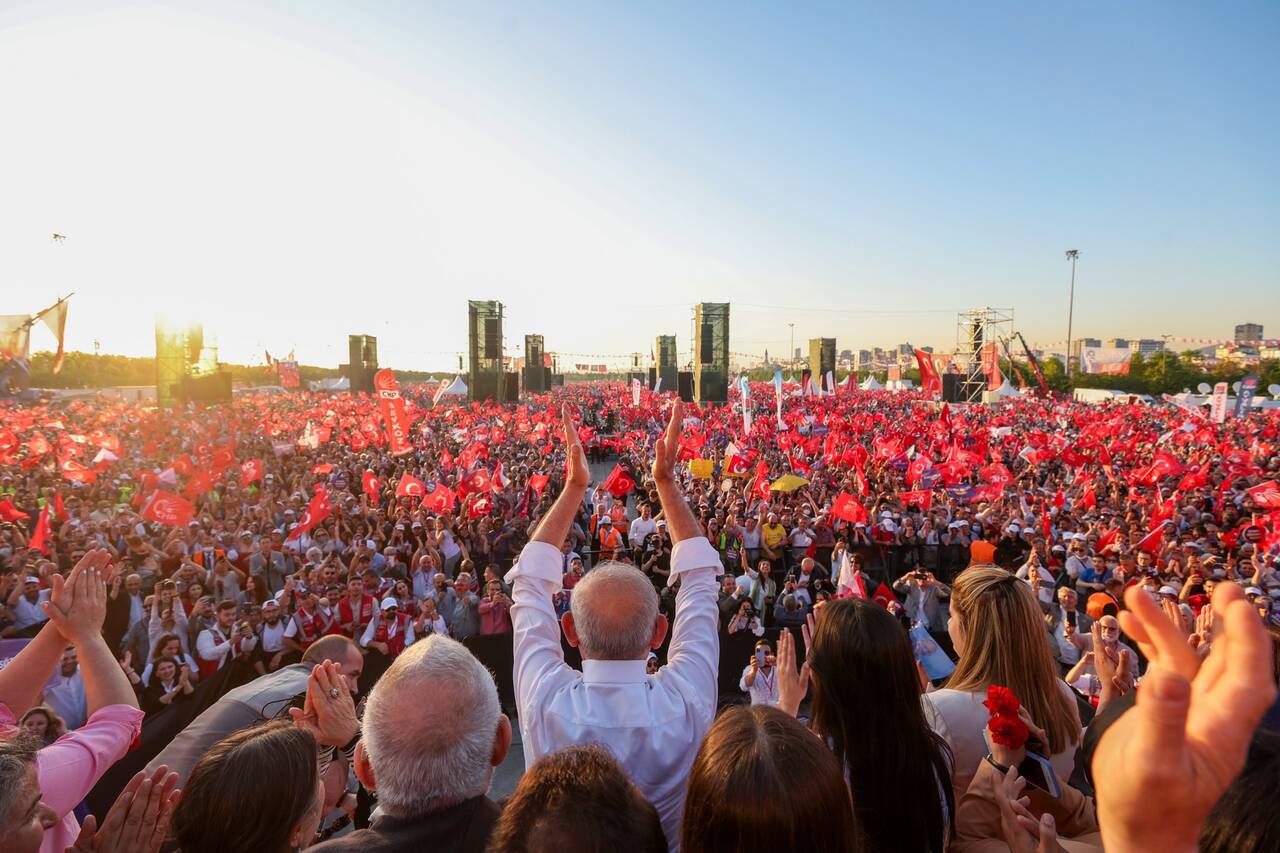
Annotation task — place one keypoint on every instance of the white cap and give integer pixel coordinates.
(1168, 590)
(1248, 590)
(389, 601)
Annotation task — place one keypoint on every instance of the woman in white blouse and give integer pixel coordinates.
(999, 634)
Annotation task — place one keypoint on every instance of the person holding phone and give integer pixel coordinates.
(759, 679)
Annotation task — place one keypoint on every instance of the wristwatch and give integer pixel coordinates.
(996, 764)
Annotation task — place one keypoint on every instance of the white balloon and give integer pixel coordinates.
(1274, 389)
(1204, 388)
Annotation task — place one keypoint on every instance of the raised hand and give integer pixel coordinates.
(667, 448)
(1189, 732)
(577, 473)
(80, 618)
(62, 590)
(793, 683)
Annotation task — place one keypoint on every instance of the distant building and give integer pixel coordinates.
(1078, 345)
(1235, 352)
(905, 349)
(1249, 332)
(846, 355)
(1269, 353)
(1147, 346)
(1116, 343)
(864, 359)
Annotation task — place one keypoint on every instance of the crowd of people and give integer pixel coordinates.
(269, 624)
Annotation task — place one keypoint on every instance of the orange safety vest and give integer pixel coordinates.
(610, 541)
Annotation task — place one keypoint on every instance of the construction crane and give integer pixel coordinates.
(1035, 365)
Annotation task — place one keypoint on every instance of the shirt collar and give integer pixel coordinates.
(613, 671)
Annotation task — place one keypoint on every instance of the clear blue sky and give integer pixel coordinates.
(600, 167)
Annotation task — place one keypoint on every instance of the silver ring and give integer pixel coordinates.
(333, 693)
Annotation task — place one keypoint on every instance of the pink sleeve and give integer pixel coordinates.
(70, 766)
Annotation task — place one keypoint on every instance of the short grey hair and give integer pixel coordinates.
(429, 728)
(16, 755)
(614, 608)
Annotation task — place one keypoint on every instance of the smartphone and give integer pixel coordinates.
(1071, 618)
(1037, 770)
(760, 655)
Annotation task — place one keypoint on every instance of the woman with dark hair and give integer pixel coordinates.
(258, 789)
(866, 706)
(170, 683)
(761, 783)
(577, 799)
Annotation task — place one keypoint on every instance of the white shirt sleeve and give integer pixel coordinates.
(367, 637)
(693, 658)
(207, 649)
(408, 632)
(539, 660)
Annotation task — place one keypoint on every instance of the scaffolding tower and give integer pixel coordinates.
(975, 330)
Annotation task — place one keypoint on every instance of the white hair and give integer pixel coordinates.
(619, 625)
(429, 728)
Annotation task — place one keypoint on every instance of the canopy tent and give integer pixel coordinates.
(456, 388)
(870, 384)
(333, 383)
(1006, 390)
(899, 385)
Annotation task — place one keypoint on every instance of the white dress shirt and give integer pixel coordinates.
(65, 694)
(652, 724)
(764, 690)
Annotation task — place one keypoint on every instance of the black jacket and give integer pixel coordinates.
(465, 828)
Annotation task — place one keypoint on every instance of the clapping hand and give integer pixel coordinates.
(138, 820)
(329, 712)
(1189, 732)
(1019, 827)
(77, 606)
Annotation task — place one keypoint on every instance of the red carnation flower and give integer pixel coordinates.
(1001, 702)
(1009, 732)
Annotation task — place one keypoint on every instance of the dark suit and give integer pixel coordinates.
(465, 828)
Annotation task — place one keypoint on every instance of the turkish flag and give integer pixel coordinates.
(500, 480)
(1196, 479)
(59, 511)
(1059, 499)
(922, 499)
(480, 506)
(198, 484)
(9, 512)
(1151, 542)
(884, 596)
(1266, 495)
(476, 482)
(323, 469)
(1107, 538)
(371, 486)
(860, 482)
(930, 381)
(619, 482)
(917, 468)
(76, 472)
(446, 459)
(440, 499)
(410, 487)
(737, 466)
(849, 508)
(538, 482)
(43, 533)
(317, 511)
(1089, 499)
(798, 465)
(251, 471)
(168, 508)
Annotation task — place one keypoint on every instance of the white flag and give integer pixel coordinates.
(635, 392)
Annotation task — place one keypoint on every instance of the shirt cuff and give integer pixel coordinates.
(539, 560)
(692, 554)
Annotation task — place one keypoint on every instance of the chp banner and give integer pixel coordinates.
(1218, 411)
(393, 412)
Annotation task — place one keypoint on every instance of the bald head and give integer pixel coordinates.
(614, 609)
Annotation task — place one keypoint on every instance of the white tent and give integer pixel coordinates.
(456, 388)
(870, 384)
(1006, 390)
(334, 383)
(899, 385)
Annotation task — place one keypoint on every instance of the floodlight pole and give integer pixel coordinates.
(1072, 255)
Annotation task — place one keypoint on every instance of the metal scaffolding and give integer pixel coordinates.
(975, 329)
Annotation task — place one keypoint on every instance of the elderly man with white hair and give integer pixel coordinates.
(431, 735)
(651, 723)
